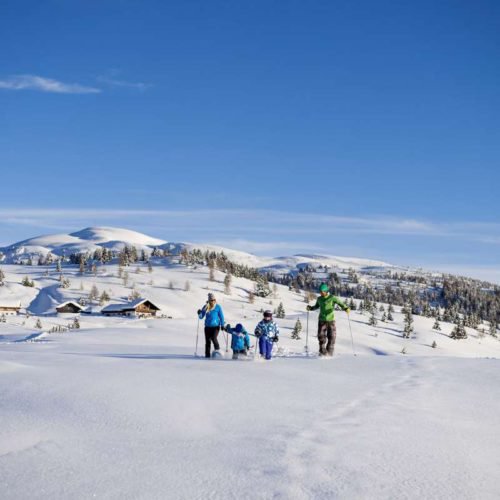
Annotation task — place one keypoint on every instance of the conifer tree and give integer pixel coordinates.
(436, 326)
(280, 311)
(94, 293)
(262, 287)
(104, 298)
(408, 329)
(38, 324)
(459, 331)
(373, 319)
(493, 329)
(227, 284)
(296, 330)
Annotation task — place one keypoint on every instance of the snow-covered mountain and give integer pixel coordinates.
(88, 239)
(112, 238)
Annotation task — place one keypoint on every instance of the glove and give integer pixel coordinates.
(198, 312)
(276, 339)
(348, 310)
(309, 308)
(225, 328)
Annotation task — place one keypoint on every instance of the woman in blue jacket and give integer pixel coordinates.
(214, 321)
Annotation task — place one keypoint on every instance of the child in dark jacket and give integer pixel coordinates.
(240, 341)
(268, 332)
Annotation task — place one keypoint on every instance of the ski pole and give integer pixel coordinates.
(197, 333)
(307, 334)
(352, 338)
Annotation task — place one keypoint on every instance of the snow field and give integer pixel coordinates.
(122, 409)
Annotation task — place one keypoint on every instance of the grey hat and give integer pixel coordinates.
(211, 296)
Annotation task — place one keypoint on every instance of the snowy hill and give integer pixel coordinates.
(91, 238)
(88, 239)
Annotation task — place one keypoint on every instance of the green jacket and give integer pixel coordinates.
(326, 306)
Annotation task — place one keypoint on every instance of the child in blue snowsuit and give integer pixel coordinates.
(267, 332)
(240, 341)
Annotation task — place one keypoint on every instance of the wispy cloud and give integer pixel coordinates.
(42, 84)
(114, 82)
(238, 223)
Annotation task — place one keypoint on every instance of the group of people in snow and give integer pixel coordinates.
(267, 331)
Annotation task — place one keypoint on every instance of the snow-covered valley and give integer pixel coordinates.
(121, 407)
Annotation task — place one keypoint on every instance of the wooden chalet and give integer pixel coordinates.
(9, 310)
(69, 307)
(139, 308)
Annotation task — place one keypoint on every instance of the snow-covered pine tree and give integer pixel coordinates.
(38, 324)
(296, 330)
(262, 287)
(104, 298)
(150, 268)
(280, 311)
(493, 329)
(373, 319)
(27, 282)
(459, 331)
(384, 317)
(389, 316)
(227, 284)
(408, 329)
(2, 277)
(436, 326)
(76, 324)
(187, 286)
(94, 293)
(434, 345)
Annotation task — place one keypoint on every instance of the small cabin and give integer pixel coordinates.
(140, 308)
(69, 307)
(9, 310)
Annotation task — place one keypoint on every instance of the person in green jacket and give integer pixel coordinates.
(327, 329)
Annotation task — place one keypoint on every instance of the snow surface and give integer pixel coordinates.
(121, 408)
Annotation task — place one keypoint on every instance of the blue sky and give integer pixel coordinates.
(353, 128)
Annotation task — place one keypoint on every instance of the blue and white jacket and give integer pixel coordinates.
(267, 329)
(215, 317)
(239, 341)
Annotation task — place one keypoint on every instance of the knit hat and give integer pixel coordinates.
(211, 296)
(238, 328)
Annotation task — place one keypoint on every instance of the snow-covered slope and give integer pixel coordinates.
(88, 239)
(123, 409)
(91, 238)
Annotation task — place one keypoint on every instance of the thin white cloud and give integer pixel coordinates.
(123, 83)
(255, 222)
(42, 84)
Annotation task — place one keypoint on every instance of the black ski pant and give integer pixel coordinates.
(327, 331)
(211, 333)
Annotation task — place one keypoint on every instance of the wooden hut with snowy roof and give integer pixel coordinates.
(139, 308)
(69, 307)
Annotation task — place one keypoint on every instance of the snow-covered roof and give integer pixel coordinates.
(127, 306)
(69, 302)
